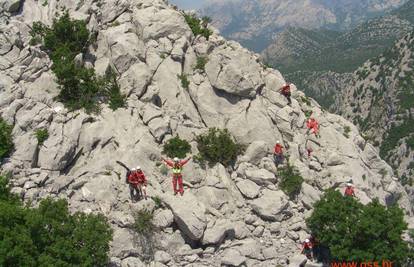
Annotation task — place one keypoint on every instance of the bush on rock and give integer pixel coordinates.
(291, 181)
(176, 147)
(79, 86)
(198, 26)
(218, 146)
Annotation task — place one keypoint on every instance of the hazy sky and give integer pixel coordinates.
(188, 4)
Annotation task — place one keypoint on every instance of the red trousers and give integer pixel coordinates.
(178, 178)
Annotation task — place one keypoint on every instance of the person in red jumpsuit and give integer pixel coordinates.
(285, 90)
(278, 153)
(177, 168)
(313, 126)
(349, 190)
(137, 183)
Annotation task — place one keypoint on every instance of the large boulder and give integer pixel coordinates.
(232, 257)
(189, 214)
(271, 206)
(234, 72)
(215, 234)
(261, 176)
(248, 189)
(309, 195)
(255, 152)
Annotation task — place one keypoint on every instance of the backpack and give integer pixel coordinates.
(127, 175)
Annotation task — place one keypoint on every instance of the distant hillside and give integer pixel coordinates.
(380, 100)
(321, 50)
(315, 59)
(255, 23)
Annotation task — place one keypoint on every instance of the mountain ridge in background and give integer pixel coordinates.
(254, 23)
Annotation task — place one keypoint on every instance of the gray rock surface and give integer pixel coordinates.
(227, 216)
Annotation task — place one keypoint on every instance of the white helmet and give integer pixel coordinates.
(277, 142)
(176, 159)
(138, 168)
(348, 184)
(133, 169)
(307, 240)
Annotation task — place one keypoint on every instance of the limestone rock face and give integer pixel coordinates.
(228, 216)
(272, 206)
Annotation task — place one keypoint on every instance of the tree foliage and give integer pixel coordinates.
(6, 140)
(176, 147)
(355, 232)
(49, 235)
(79, 86)
(218, 146)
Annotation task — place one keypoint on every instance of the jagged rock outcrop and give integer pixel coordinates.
(227, 216)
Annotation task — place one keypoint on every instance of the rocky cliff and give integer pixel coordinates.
(228, 216)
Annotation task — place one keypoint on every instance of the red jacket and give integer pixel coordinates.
(307, 245)
(286, 89)
(312, 123)
(349, 191)
(278, 149)
(137, 177)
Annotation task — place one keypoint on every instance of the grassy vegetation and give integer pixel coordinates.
(144, 222)
(218, 146)
(41, 135)
(157, 201)
(347, 130)
(185, 83)
(201, 63)
(198, 26)
(176, 147)
(79, 86)
(6, 140)
(291, 181)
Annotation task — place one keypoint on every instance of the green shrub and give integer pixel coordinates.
(355, 232)
(157, 201)
(308, 113)
(49, 235)
(143, 222)
(41, 135)
(185, 83)
(306, 100)
(176, 147)
(347, 130)
(218, 146)
(290, 181)
(201, 63)
(113, 91)
(6, 140)
(197, 26)
(79, 86)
